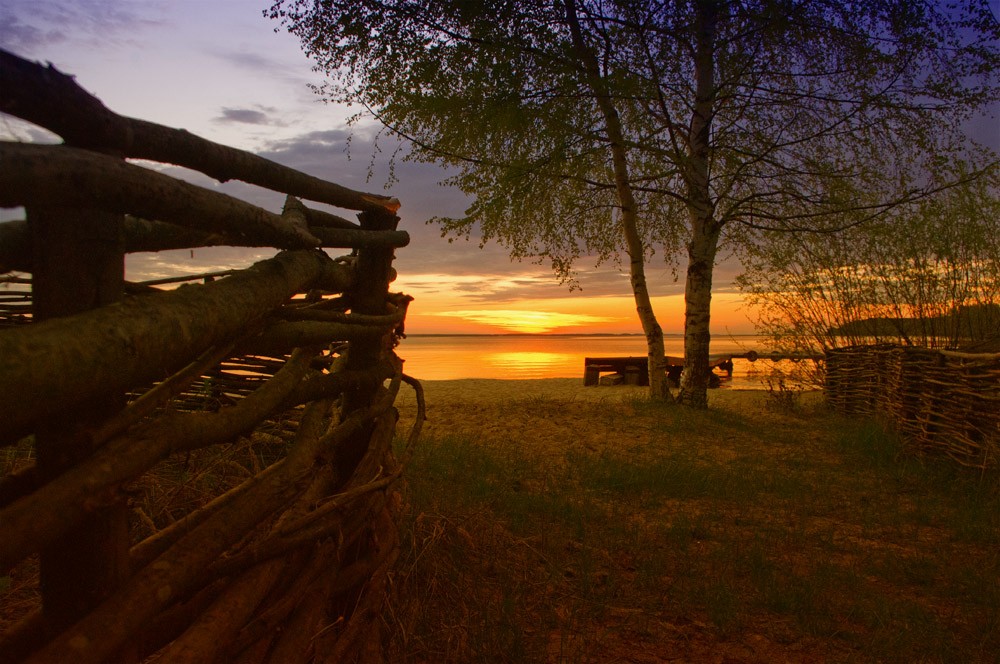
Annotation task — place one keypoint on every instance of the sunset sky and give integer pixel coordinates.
(219, 70)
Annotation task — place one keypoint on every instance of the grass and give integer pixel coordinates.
(745, 537)
(554, 531)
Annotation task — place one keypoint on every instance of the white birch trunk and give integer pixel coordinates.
(704, 228)
(658, 387)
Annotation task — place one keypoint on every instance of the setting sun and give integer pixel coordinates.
(528, 322)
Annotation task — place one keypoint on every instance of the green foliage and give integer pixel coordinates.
(817, 107)
(606, 129)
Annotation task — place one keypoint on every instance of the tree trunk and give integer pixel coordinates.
(697, 313)
(658, 387)
(704, 229)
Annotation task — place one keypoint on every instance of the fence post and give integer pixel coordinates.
(78, 264)
(374, 268)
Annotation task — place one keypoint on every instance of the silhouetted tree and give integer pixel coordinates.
(602, 127)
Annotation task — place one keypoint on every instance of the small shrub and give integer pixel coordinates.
(782, 395)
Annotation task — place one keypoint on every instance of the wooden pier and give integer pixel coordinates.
(635, 370)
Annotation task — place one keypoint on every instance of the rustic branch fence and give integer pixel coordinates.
(113, 380)
(941, 402)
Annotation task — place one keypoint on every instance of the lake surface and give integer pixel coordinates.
(550, 356)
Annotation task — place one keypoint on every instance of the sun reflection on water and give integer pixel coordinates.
(527, 364)
(523, 357)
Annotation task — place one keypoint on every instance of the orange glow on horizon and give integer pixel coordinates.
(571, 315)
(527, 321)
(533, 303)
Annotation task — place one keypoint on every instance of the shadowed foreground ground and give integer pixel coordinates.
(548, 522)
(555, 523)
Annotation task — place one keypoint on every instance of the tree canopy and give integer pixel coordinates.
(615, 127)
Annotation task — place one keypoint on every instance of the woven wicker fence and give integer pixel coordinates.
(284, 557)
(941, 402)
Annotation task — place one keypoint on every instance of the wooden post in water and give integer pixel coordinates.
(78, 264)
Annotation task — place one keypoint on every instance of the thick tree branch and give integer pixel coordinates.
(70, 177)
(42, 94)
(38, 519)
(49, 366)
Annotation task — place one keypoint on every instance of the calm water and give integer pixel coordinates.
(547, 356)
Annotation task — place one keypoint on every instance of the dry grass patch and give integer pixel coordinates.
(562, 530)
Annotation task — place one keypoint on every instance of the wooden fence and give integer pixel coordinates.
(105, 382)
(941, 402)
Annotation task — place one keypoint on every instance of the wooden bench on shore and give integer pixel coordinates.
(635, 370)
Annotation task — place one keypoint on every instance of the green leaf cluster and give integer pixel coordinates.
(606, 128)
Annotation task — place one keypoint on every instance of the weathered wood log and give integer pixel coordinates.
(375, 271)
(42, 95)
(140, 235)
(204, 640)
(47, 367)
(78, 262)
(38, 519)
(282, 336)
(145, 235)
(104, 630)
(69, 177)
(341, 238)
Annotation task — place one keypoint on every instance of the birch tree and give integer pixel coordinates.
(618, 127)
